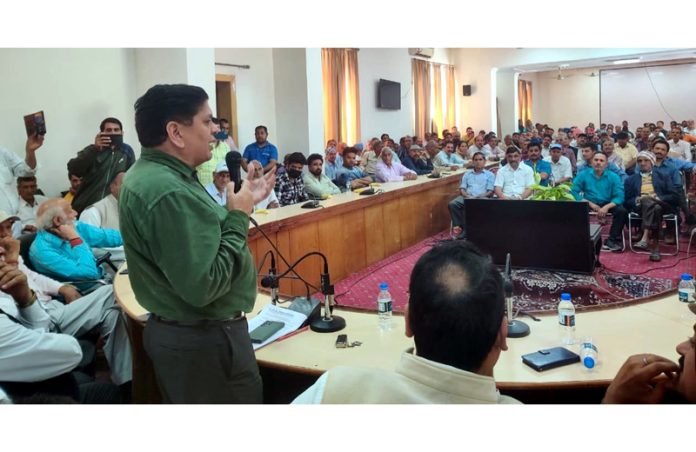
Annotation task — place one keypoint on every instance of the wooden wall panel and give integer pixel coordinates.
(283, 244)
(334, 244)
(392, 231)
(408, 211)
(304, 239)
(374, 234)
(354, 234)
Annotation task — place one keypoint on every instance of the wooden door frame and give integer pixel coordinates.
(230, 78)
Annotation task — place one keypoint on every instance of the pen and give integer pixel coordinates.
(282, 338)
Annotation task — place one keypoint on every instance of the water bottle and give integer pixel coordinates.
(566, 319)
(588, 353)
(384, 307)
(686, 289)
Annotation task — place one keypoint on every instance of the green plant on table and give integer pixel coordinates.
(560, 192)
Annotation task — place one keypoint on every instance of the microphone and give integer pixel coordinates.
(328, 323)
(271, 281)
(313, 204)
(516, 328)
(233, 159)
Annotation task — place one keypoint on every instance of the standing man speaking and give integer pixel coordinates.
(189, 262)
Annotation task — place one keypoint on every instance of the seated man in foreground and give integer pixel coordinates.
(604, 191)
(63, 246)
(456, 316)
(513, 181)
(391, 171)
(478, 183)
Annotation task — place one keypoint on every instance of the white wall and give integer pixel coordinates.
(315, 103)
(200, 70)
(474, 67)
(394, 65)
(573, 101)
(255, 91)
(76, 88)
(290, 88)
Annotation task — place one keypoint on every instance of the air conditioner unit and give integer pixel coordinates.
(425, 52)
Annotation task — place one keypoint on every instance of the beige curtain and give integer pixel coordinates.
(450, 100)
(341, 95)
(437, 97)
(524, 100)
(421, 88)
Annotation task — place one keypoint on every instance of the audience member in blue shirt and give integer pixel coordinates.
(350, 177)
(540, 167)
(262, 150)
(62, 249)
(585, 163)
(333, 163)
(671, 169)
(604, 191)
(478, 183)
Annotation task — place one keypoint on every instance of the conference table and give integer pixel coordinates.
(355, 231)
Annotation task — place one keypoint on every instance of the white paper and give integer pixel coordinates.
(291, 319)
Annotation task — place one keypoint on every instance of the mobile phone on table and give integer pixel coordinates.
(267, 329)
(342, 341)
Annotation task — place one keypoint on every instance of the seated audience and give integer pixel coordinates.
(561, 169)
(369, 161)
(219, 150)
(75, 182)
(651, 194)
(478, 183)
(672, 169)
(404, 145)
(478, 146)
(493, 151)
(225, 134)
(12, 167)
(108, 155)
(626, 151)
(513, 181)
(390, 171)
(104, 214)
(649, 378)
(447, 158)
(643, 141)
(415, 162)
(333, 163)
(271, 201)
(462, 152)
(217, 188)
(37, 332)
(289, 186)
(613, 157)
(678, 148)
(568, 151)
(539, 166)
(604, 191)
(456, 316)
(262, 150)
(350, 177)
(317, 184)
(63, 246)
(28, 202)
(585, 163)
(546, 147)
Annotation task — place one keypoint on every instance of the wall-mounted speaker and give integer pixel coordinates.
(467, 90)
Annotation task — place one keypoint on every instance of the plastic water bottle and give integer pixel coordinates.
(686, 289)
(384, 307)
(588, 353)
(566, 319)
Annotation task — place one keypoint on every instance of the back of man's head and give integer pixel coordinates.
(456, 305)
(162, 104)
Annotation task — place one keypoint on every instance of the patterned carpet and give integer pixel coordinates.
(621, 279)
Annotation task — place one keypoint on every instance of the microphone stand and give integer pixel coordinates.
(516, 328)
(328, 323)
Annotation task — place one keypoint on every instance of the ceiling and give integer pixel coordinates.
(606, 62)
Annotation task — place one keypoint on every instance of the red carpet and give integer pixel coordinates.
(622, 278)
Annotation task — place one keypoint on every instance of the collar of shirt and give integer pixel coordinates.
(165, 159)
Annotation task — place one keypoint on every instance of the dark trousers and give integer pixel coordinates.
(212, 363)
(651, 211)
(456, 208)
(618, 222)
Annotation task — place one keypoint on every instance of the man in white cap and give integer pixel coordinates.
(218, 187)
(651, 194)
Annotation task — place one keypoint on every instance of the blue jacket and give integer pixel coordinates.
(54, 257)
(664, 188)
(408, 162)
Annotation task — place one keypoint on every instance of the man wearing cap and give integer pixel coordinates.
(36, 330)
(413, 161)
(218, 187)
(561, 169)
(650, 194)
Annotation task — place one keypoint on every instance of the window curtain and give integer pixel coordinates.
(437, 99)
(450, 100)
(421, 87)
(341, 90)
(524, 98)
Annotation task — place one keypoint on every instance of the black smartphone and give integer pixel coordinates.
(342, 341)
(267, 329)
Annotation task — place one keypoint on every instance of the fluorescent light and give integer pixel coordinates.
(627, 61)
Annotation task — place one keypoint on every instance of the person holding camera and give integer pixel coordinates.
(97, 163)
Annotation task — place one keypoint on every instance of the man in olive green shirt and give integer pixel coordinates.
(188, 258)
(317, 183)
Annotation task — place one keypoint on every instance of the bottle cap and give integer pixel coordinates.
(686, 277)
(588, 362)
(565, 296)
(383, 286)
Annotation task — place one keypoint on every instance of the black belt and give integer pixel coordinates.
(203, 322)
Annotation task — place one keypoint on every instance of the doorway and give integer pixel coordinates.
(226, 99)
